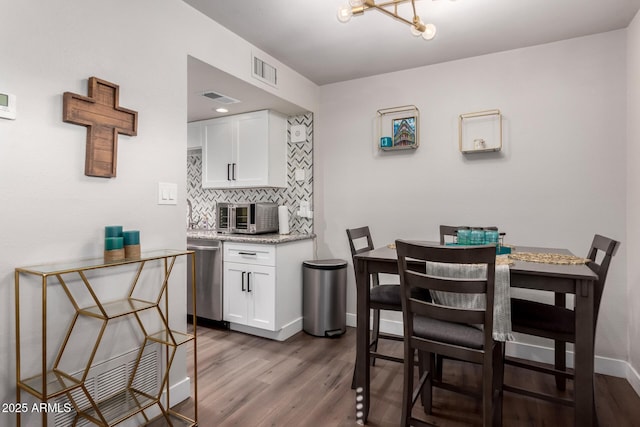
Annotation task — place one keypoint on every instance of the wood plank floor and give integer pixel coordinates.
(305, 381)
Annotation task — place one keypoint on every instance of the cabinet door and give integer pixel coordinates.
(262, 297)
(218, 154)
(253, 149)
(235, 294)
(195, 135)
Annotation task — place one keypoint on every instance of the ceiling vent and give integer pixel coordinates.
(220, 98)
(264, 72)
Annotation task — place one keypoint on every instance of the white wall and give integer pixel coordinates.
(50, 210)
(559, 179)
(633, 190)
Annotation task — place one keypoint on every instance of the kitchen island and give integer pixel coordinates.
(261, 280)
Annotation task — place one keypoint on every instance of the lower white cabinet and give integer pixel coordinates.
(250, 295)
(262, 287)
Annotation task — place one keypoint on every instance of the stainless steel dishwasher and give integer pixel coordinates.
(208, 279)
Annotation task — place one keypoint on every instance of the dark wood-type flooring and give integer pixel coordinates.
(248, 381)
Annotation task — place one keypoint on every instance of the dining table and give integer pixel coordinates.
(561, 279)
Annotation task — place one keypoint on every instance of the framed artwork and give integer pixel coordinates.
(404, 132)
(398, 128)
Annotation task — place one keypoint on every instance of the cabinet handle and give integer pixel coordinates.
(249, 281)
(233, 170)
(248, 253)
(243, 273)
(228, 171)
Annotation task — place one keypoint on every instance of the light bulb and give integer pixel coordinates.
(429, 32)
(344, 13)
(356, 3)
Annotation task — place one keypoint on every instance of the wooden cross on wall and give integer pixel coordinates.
(104, 120)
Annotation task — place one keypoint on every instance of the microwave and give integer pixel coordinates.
(247, 218)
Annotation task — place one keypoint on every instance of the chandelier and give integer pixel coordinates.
(390, 8)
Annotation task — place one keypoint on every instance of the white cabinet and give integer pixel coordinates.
(250, 295)
(245, 150)
(195, 135)
(262, 287)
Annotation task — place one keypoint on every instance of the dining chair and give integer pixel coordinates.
(431, 328)
(557, 322)
(381, 297)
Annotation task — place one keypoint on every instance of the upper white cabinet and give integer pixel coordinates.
(195, 136)
(245, 150)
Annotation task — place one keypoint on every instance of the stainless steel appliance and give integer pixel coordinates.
(208, 279)
(247, 218)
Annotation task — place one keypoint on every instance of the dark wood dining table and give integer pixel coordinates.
(561, 279)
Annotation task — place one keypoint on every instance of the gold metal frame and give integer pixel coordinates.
(54, 382)
(395, 113)
(478, 114)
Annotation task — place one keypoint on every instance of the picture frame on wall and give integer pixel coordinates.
(398, 128)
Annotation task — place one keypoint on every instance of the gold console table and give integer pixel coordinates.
(55, 379)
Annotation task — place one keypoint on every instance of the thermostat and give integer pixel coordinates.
(7, 106)
(298, 133)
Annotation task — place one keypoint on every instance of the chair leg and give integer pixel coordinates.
(439, 366)
(407, 391)
(487, 389)
(427, 363)
(353, 379)
(498, 381)
(561, 363)
(375, 333)
(560, 347)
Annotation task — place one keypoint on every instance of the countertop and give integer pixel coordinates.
(247, 238)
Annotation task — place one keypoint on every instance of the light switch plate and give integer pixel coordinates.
(167, 193)
(300, 175)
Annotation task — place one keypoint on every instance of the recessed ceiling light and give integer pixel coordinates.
(222, 110)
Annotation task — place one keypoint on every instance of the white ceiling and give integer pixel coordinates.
(306, 36)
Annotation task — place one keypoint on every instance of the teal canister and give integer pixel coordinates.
(477, 237)
(464, 236)
(491, 237)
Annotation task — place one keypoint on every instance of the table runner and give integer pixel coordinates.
(502, 296)
(548, 258)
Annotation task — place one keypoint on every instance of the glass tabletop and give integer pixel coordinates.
(94, 263)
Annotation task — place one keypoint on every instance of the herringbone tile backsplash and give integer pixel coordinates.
(300, 156)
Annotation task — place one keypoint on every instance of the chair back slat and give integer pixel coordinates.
(419, 279)
(447, 313)
(607, 248)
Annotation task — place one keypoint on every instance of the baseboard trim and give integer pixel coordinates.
(180, 391)
(602, 365)
(287, 331)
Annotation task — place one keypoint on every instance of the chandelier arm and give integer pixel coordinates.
(381, 8)
(372, 3)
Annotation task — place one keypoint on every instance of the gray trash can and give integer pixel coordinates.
(324, 294)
